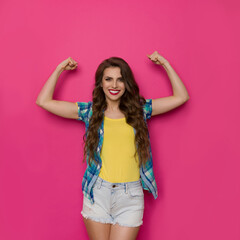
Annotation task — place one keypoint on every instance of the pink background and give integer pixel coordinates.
(195, 155)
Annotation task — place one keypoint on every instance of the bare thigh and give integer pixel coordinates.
(118, 232)
(97, 230)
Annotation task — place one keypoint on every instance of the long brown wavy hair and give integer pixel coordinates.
(131, 104)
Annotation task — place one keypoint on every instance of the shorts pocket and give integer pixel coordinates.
(96, 185)
(135, 192)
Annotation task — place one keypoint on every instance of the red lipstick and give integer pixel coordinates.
(115, 92)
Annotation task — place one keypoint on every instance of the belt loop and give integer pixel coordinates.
(126, 187)
(100, 184)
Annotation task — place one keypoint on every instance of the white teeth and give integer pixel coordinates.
(114, 91)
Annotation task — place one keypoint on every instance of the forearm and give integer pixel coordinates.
(178, 87)
(47, 91)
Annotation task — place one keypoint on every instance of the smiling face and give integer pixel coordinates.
(113, 84)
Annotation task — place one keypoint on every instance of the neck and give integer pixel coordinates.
(113, 105)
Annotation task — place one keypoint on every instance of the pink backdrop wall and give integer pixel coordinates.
(196, 160)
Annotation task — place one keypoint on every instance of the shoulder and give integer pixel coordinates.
(84, 110)
(147, 109)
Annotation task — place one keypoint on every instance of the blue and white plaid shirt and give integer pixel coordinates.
(91, 173)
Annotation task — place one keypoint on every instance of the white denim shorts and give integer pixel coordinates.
(121, 203)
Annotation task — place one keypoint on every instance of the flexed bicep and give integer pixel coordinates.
(165, 104)
(61, 108)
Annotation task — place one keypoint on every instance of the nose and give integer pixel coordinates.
(114, 84)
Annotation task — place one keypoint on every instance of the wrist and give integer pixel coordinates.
(166, 65)
(59, 69)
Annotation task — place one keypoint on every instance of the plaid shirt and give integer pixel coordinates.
(91, 173)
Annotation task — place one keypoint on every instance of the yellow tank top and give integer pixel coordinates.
(117, 153)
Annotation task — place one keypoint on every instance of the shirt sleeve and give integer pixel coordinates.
(147, 109)
(83, 110)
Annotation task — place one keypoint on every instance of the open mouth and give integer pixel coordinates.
(114, 92)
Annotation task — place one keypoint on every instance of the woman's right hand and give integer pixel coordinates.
(68, 64)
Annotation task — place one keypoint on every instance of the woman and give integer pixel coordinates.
(117, 145)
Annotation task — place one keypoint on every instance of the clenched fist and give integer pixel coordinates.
(157, 58)
(68, 64)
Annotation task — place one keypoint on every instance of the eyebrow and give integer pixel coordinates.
(111, 77)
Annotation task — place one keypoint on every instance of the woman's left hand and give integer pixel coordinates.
(157, 58)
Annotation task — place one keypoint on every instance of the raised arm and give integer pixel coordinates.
(180, 94)
(44, 100)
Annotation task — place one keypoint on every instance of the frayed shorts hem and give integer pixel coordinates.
(126, 225)
(101, 220)
(109, 222)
